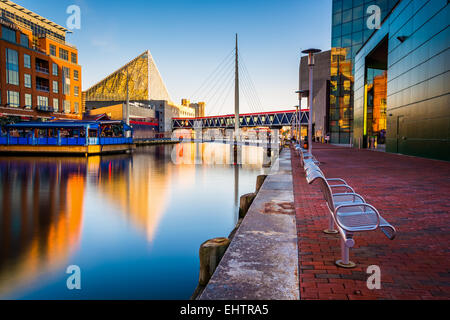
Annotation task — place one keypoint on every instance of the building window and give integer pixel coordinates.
(52, 50)
(8, 34)
(42, 101)
(63, 54)
(73, 57)
(24, 40)
(66, 80)
(27, 79)
(12, 67)
(75, 75)
(28, 101)
(27, 61)
(55, 105)
(13, 98)
(55, 69)
(66, 106)
(76, 107)
(55, 86)
(76, 91)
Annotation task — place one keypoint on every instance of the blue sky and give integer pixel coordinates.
(188, 40)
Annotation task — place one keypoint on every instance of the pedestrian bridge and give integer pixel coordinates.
(273, 120)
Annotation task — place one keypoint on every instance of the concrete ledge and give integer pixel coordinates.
(261, 262)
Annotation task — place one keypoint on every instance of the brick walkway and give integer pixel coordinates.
(413, 194)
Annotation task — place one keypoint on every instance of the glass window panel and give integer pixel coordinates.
(8, 34)
(346, 28)
(347, 16)
(358, 25)
(26, 61)
(358, 12)
(337, 18)
(357, 38)
(24, 40)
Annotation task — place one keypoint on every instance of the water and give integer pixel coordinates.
(132, 223)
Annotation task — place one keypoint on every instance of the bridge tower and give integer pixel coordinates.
(236, 92)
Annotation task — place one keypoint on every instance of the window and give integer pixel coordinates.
(13, 98)
(55, 86)
(66, 80)
(76, 91)
(66, 106)
(42, 101)
(12, 67)
(27, 79)
(8, 34)
(73, 57)
(24, 40)
(55, 105)
(52, 50)
(63, 54)
(26, 61)
(76, 107)
(55, 69)
(28, 100)
(75, 75)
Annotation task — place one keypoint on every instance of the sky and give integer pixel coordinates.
(189, 39)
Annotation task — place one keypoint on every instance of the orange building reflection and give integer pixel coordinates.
(41, 216)
(142, 195)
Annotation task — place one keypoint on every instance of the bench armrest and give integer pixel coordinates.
(342, 186)
(355, 195)
(337, 180)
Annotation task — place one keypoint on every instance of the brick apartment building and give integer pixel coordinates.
(40, 78)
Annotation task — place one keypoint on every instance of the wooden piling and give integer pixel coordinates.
(259, 182)
(245, 203)
(211, 252)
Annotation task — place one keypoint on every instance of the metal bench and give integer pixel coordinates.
(341, 183)
(351, 214)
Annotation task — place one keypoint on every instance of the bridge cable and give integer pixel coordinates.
(216, 70)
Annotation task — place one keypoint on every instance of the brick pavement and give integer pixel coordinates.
(412, 193)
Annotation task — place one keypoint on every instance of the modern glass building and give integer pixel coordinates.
(402, 82)
(354, 21)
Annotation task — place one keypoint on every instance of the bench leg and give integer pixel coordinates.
(345, 256)
(330, 229)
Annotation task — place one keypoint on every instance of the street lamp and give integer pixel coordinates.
(301, 93)
(310, 53)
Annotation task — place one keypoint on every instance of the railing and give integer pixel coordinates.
(42, 88)
(41, 69)
(53, 141)
(109, 141)
(45, 108)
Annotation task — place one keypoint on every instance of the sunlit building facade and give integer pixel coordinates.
(401, 87)
(140, 82)
(351, 27)
(40, 77)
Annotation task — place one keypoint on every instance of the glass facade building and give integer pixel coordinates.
(401, 82)
(352, 25)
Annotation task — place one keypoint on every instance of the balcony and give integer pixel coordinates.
(45, 108)
(41, 69)
(42, 88)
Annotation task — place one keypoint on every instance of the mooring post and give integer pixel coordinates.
(211, 252)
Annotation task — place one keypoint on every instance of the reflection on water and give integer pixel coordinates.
(133, 223)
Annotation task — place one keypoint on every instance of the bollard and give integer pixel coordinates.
(245, 203)
(259, 182)
(211, 252)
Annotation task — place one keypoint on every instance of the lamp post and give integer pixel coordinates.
(301, 93)
(310, 53)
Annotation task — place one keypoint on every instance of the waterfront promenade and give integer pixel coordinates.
(411, 193)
